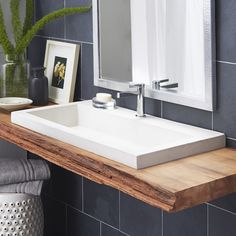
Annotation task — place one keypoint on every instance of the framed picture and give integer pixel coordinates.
(61, 63)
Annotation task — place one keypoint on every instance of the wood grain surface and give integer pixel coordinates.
(171, 186)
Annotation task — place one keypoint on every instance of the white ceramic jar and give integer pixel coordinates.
(21, 215)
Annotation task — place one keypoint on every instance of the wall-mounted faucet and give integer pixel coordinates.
(140, 97)
(158, 84)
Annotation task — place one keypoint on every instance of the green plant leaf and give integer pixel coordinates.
(28, 16)
(15, 19)
(24, 42)
(4, 40)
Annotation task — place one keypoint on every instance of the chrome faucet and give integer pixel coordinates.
(157, 84)
(140, 97)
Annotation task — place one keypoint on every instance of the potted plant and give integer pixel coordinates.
(15, 72)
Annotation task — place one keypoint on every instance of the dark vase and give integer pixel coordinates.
(38, 87)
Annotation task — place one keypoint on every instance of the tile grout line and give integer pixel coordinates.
(100, 228)
(161, 109)
(82, 212)
(222, 209)
(234, 139)
(226, 62)
(96, 219)
(207, 220)
(212, 120)
(82, 189)
(63, 39)
(162, 223)
(115, 228)
(34, 11)
(81, 69)
(68, 205)
(66, 219)
(119, 210)
(64, 21)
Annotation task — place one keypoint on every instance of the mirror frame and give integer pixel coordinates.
(169, 96)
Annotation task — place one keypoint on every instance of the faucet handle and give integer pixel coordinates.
(157, 84)
(170, 86)
(135, 85)
(139, 88)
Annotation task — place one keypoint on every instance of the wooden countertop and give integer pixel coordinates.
(171, 186)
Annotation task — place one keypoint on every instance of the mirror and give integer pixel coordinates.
(151, 41)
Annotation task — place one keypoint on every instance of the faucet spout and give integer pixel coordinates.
(140, 97)
(140, 101)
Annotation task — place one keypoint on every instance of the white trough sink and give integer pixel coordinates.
(118, 134)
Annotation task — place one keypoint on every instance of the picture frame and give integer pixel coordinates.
(61, 63)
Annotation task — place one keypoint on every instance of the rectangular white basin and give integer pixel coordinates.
(118, 134)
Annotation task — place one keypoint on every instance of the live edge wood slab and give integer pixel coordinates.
(172, 186)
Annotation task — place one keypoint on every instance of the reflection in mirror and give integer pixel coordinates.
(148, 41)
(175, 44)
(115, 40)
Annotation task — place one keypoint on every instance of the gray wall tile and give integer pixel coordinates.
(225, 115)
(128, 102)
(36, 51)
(231, 143)
(188, 222)
(11, 151)
(79, 26)
(87, 89)
(109, 231)
(55, 28)
(228, 202)
(66, 186)
(101, 202)
(153, 107)
(138, 218)
(54, 217)
(187, 115)
(221, 223)
(79, 224)
(226, 30)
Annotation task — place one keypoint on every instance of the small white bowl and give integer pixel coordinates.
(14, 103)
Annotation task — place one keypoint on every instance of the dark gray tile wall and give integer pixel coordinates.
(105, 206)
(81, 224)
(75, 206)
(189, 222)
(137, 218)
(187, 115)
(55, 28)
(108, 231)
(79, 27)
(55, 217)
(221, 223)
(9, 151)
